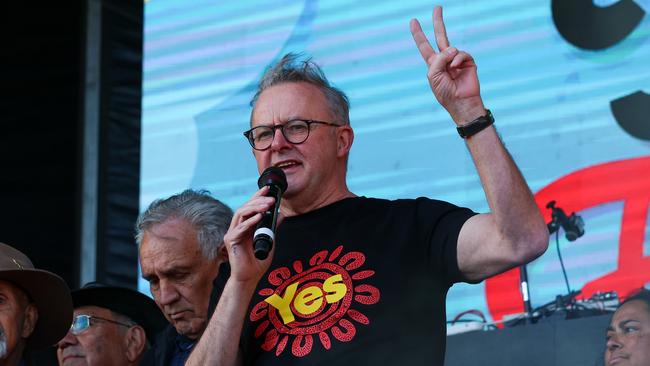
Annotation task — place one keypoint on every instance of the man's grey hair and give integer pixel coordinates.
(294, 68)
(207, 215)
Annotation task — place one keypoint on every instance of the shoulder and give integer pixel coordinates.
(416, 204)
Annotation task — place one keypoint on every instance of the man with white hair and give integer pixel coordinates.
(181, 255)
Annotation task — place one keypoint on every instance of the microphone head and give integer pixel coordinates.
(273, 176)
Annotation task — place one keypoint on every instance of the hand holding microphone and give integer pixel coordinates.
(264, 235)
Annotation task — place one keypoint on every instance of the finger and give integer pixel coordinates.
(254, 206)
(440, 62)
(421, 40)
(462, 59)
(249, 223)
(259, 198)
(244, 212)
(261, 192)
(238, 232)
(439, 29)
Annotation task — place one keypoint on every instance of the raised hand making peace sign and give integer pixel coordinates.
(452, 73)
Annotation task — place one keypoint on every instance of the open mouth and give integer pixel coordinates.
(287, 164)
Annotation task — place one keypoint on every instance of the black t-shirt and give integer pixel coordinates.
(359, 282)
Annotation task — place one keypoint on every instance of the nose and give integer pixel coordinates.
(279, 142)
(69, 340)
(167, 293)
(614, 343)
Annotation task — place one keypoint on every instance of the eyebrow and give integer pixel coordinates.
(168, 271)
(621, 324)
(284, 121)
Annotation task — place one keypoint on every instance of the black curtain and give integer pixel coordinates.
(119, 160)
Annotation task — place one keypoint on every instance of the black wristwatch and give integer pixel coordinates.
(476, 125)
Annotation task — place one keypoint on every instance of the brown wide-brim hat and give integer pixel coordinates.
(48, 292)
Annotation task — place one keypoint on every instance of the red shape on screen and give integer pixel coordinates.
(627, 181)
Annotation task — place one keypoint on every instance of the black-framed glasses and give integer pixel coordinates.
(295, 131)
(82, 322)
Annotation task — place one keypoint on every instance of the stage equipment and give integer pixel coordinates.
(574, 227)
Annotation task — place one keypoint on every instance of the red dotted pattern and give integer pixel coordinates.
(329, 317)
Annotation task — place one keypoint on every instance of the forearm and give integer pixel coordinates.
(512, 205)
(219, 343)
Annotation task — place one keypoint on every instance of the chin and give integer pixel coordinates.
(188, 330)
(288, 193)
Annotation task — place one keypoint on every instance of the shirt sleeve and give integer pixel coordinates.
(441, 223)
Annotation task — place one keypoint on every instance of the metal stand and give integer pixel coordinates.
(525, 292)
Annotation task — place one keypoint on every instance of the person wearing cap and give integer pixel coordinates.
(35, 307)
(183, 258)
(112, 326)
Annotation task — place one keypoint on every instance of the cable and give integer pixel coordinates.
(557, 244)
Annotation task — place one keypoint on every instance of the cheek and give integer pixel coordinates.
(190, 290)
(93, 347)
(262, 159)
(198, 292)
(11, 335)
(643, 344)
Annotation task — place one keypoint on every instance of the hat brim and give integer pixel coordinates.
(138, 307)
(51, 296)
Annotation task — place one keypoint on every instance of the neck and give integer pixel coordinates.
(303, 203)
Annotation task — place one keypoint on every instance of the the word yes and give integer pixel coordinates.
(309, 300)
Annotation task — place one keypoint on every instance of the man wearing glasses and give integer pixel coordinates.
(355, 280)
(112, 326)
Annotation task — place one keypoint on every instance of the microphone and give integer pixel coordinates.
(264, 235)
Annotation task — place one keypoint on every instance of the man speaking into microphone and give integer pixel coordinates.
(354, 280)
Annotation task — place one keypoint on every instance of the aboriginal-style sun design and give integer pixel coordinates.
(321, 302)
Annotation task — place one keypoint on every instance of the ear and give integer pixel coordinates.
(29, 321)
(222, 253)
(344, 141)
(135, 342)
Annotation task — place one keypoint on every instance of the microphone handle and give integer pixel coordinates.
(265, 232)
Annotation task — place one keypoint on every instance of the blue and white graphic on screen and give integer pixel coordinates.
(561, 103)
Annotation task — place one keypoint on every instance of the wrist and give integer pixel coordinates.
(243, 287)
(467, 111)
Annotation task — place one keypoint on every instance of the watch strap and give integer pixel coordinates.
(476, 125)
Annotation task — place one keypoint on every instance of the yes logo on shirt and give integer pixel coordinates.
(314, 304)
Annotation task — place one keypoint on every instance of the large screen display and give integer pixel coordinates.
(566, 80)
